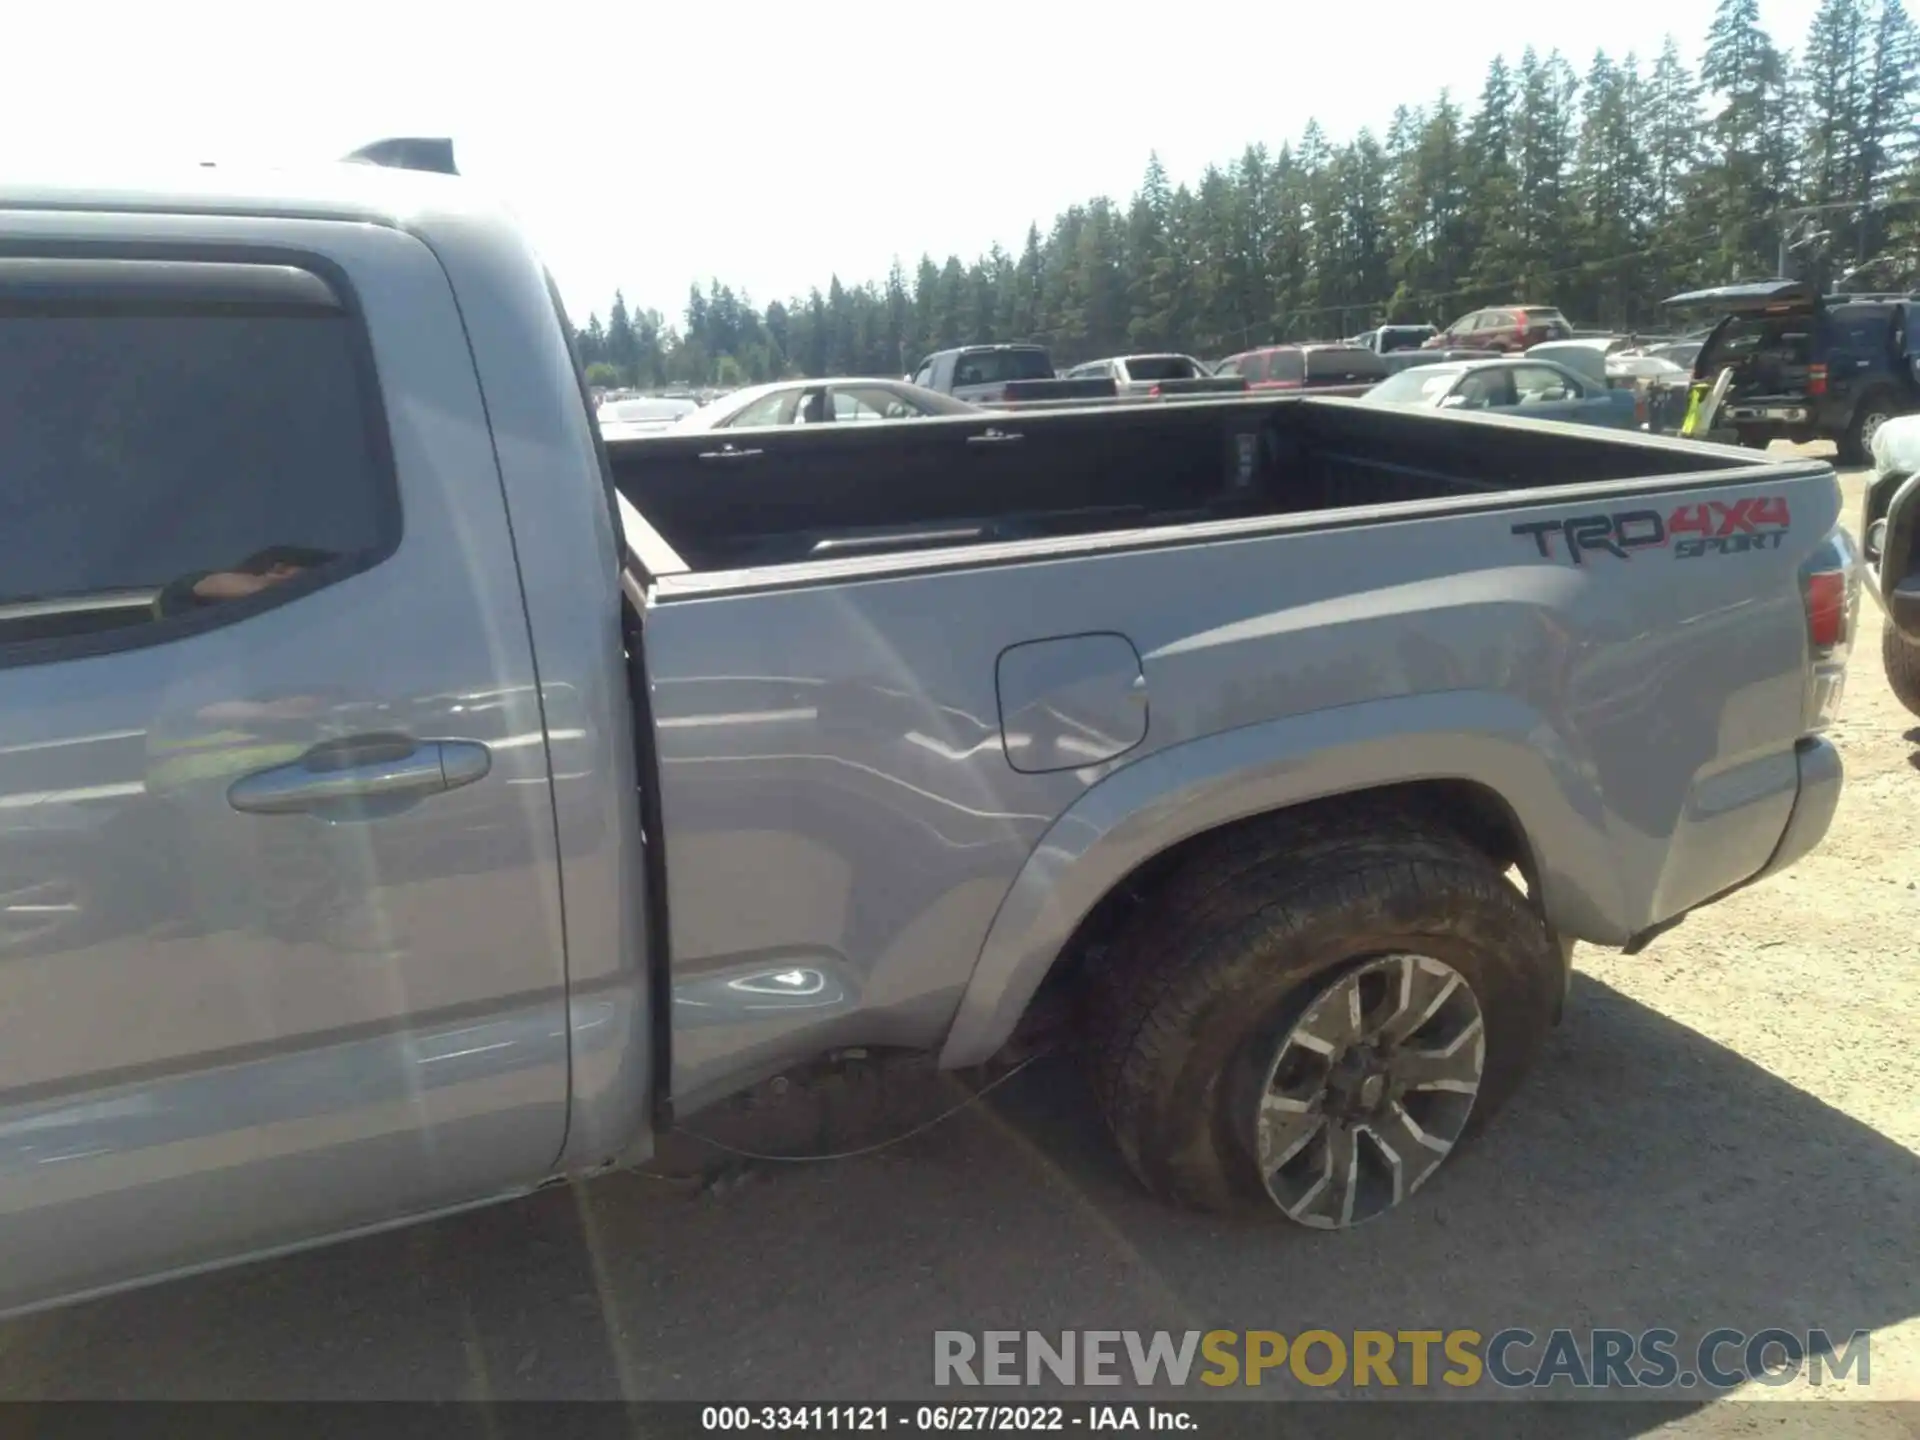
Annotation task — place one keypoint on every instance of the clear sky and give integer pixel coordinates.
(773, 145)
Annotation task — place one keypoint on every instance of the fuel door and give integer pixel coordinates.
(1070, 701)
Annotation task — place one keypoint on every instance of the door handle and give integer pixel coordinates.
(367, 775)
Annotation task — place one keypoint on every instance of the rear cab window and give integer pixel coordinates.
(997, 367)
(1346, 366)
(1161, 367)
(183, 444)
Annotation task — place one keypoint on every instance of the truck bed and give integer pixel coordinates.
(765, 498)
(901, 667)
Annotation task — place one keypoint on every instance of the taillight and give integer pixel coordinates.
(1640, 409)
(1816, 379)
(1825, 592)
(1830, 593)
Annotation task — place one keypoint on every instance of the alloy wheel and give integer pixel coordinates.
(1369, 1089)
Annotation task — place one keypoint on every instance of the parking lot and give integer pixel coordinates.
(1725, 1132)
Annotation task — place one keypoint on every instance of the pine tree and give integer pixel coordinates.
(899, 329)
(1494, 190)
(1833, 100)
(1151, 286)
(1889, 142)
(1744, 184)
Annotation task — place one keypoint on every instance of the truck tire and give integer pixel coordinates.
(1901, 659)
(1876, 407)
(1222, 1045)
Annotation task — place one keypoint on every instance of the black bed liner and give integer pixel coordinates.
(752, 498)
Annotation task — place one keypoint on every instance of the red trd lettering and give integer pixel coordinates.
(1735, 517)
(1690, 520)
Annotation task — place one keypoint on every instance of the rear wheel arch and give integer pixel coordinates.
(1474, 812)
(1339, 935)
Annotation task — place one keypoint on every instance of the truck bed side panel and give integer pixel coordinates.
(846, 824)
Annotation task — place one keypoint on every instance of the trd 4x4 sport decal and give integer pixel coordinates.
(1716, 527)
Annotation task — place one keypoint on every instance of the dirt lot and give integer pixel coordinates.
(1726, 1131)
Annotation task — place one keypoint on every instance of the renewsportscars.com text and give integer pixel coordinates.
(1509, 1359)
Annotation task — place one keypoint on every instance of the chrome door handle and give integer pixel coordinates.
(348, 774)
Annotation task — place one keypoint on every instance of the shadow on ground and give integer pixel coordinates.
(1644, 1177)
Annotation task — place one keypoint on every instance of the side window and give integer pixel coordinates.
(176, 452)
(1539, 385)
(1228, 368)
(867, 403)
(1254, 367)
(923, 377)
(1484, 390)
(774, 409)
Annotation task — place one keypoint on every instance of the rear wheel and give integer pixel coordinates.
(1855, 446)
(1310, 1016)
(1901, 658)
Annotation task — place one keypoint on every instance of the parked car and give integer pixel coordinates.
(822, 402)
(1659, 387)
(1385, 339)
(1808, 366)
(1892, 546)
(1343, 369)
(1003, 374)
(1676, 352)
(1153, 376)
(1504, 328)
(474, 800)
(643, 414)
(1534, 389)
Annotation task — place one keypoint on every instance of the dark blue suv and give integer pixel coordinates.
(1808, 366)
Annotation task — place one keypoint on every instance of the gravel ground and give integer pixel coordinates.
(1724, 1132)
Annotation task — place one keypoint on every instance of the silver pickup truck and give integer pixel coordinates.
(408, 800)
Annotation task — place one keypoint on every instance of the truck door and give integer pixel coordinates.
(279, 951)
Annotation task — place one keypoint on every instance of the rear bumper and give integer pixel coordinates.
(1741, 413)
(1821, 777)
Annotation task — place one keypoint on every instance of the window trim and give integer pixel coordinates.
(251, 293)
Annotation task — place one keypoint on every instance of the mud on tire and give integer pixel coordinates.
(1189, 996)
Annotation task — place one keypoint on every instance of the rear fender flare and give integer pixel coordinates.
(1186, 789)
